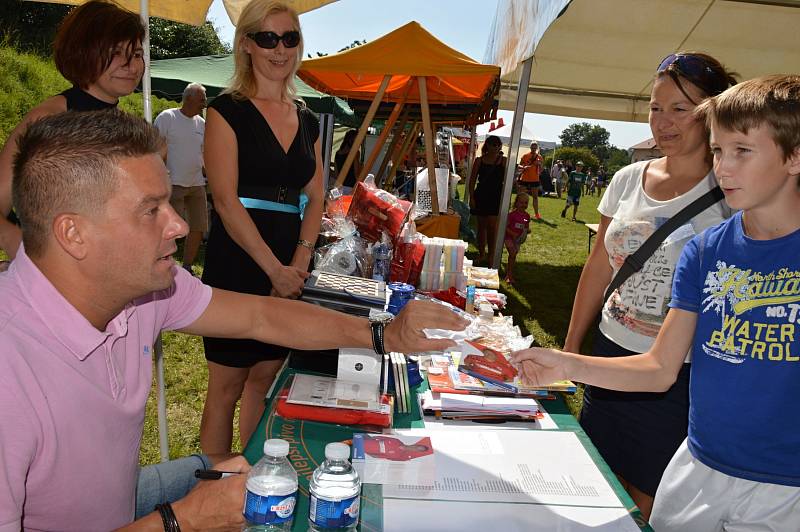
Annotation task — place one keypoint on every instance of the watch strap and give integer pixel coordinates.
(377, 336)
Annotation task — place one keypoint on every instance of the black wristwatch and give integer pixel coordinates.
(377, 322)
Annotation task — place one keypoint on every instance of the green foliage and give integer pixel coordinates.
(25, 81)
(616, 160)
(169, 40)
(578, 154)
(585, 135)
(30, 26)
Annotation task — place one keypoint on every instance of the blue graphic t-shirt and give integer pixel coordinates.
(746, 366)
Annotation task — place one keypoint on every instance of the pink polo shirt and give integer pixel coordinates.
(72, 400)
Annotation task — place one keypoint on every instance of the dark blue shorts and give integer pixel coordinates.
(637, 433)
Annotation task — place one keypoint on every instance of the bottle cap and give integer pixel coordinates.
(337, 451)
(276, 447)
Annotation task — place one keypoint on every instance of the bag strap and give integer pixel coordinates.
(635, 261)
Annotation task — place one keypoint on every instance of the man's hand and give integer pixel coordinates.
(539, 366)
(405, 333)
(288, 282)
(215, 504)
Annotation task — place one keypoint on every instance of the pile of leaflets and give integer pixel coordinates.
(480, 407)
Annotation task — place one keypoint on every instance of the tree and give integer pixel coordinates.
(585, 135)
(348, 47)
(30, 26)
(169, 40)
(617, 159)
(584, 155)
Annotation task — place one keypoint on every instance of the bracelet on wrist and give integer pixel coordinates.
(306, 244)
(168, 517)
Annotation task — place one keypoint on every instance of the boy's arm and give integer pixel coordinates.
(653, 371)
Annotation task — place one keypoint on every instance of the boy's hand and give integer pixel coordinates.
(539, 366)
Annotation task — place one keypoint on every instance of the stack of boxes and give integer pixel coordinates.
(443, 266)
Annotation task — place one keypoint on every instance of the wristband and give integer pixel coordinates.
(168, 517)
(306, 244)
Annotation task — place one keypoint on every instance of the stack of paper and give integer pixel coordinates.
(477, 407)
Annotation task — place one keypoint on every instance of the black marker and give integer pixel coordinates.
(213, 474)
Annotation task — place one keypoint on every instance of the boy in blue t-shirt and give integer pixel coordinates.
(736, 303)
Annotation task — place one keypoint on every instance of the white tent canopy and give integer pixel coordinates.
(597, 59)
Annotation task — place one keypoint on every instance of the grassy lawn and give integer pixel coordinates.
(548, 268)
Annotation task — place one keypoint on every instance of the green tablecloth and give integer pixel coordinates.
(307, 441)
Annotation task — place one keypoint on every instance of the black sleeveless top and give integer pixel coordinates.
(80, 100)
(263, 165)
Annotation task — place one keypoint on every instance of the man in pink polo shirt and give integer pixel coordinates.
(92, 286)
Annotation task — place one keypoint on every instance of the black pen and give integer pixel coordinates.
(213, 474)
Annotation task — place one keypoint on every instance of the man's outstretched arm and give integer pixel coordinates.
(300, 325)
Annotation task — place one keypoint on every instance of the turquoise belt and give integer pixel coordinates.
(266, 205)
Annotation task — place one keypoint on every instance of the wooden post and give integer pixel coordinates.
(426, 125)
(408, 142)
(473, 145)
(401, 126)
(376, 149)
(362, 131)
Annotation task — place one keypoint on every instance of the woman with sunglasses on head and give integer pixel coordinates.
(262, 152)
(98, 48)
(638, 433)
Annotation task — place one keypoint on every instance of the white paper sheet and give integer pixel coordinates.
(513, 466)
(400, 515)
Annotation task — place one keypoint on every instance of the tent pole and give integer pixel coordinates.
(393, 145)
(362, 131)
(326, 136)
(158, 349)
(147, 108)
(473, 146)
(426, 125)
(398, 156)
(513, 152)
(387, 127)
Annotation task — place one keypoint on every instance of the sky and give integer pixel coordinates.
(461, 24)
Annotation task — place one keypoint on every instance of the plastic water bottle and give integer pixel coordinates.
(381, 264)
(271, 490)
(335, 492)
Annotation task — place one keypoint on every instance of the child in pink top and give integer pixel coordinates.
(517, 229)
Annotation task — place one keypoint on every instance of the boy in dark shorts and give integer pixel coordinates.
(574, 186)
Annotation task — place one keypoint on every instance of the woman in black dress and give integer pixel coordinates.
(485, 193)
(262, 151)
(98, 48)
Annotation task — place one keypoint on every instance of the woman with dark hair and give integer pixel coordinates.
(341, 156)
(486, 192)
(262, 154)
(98, 48)
(638, 433)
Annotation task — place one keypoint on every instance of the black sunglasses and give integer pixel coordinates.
(696, 70)
(270, 39)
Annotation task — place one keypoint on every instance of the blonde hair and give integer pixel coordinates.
(243, 83)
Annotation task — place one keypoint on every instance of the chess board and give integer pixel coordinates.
(345, 293)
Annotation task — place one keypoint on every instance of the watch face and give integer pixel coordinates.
(381, 317)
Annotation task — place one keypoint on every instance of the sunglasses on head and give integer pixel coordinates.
(270, 39)
(696, 70)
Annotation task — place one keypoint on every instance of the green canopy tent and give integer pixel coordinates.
(170, 77)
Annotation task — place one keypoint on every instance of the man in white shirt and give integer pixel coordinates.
(184, 128)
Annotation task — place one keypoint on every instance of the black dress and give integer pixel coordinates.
(263, 166)
(489, 190)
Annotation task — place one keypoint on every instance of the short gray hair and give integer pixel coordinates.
(192, 88)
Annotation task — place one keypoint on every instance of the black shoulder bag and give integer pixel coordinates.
(635, 261)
